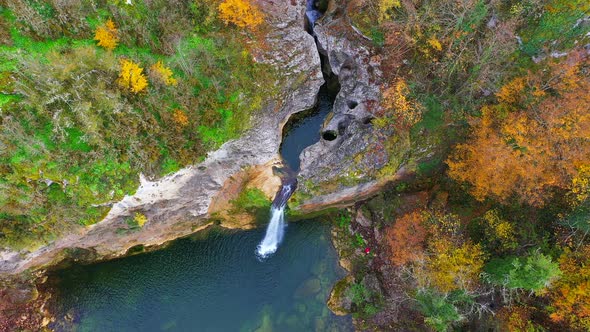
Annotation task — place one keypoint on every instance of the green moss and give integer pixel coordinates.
(251, 199)
(428, 167)
(295, 215)
(433, 117)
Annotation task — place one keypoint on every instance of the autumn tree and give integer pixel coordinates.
(581, 184)
(499, 231)
(107, 35)
(406, 238)
(241, 13)
(570, 296)
(517, 318)
(451, 262)
(447, 272)
(131, 77)
(536, 138)
(400, 109)
(162, 74)
(452, 266)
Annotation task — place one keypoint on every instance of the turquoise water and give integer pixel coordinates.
(302, 132)
(212, 282)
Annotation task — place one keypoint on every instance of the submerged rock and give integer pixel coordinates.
(339, 302)
(309, 288)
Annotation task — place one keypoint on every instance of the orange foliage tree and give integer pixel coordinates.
(131, 77)
(107, 35)
(406, 238)
(536, 138)
(241, 13)
(570, 296)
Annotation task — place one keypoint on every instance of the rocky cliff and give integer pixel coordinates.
(354, 158)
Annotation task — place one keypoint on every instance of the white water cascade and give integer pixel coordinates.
(276, 227)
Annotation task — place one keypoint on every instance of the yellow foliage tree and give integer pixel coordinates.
(131, 77)
(450, 262)
(106, 35)
(452, 266)
(570, 296)
(499, 230)
(581, 184)
(405, 112)
(241, 13)
(162, 74)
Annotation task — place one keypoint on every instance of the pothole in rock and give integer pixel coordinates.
(329, 135)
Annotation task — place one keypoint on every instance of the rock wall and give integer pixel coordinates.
(346, 164)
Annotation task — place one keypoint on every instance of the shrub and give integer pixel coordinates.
(162, 74)
(107, 35)
(251, 199)
(131, 77)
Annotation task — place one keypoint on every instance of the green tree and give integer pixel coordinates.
(534, 272)
(440, 310)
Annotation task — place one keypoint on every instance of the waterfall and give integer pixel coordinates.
(276, 226)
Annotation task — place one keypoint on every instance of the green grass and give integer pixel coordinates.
(433, 117)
